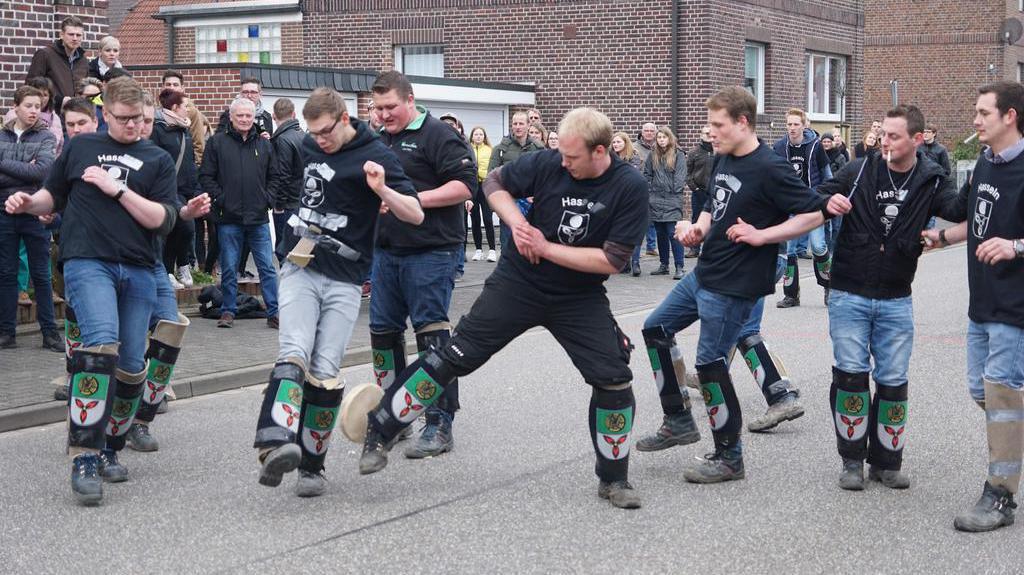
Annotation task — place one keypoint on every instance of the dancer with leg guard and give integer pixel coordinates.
(330, 240)
(414, 266)
(994, 200)
(753, 193)
(589, 211)
(871, 320)
(117, 194)
(803, 152)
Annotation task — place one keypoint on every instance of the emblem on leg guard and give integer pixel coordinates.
(158, 375)
(318, 423)
(121, 416)
(613, 429)
(88, 398)
(714, 404)
(419, 392)
(384, 367)
(659, 376)
(286, 405)
(851, 412)
(754, 365)
(892, 420)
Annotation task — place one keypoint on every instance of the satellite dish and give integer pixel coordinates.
(1011, 31)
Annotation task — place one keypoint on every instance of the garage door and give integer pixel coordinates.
(490, 117)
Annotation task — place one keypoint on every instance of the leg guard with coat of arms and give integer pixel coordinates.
(721, 403)
(321, 401)
(662, 351)
(823, 269)
(1004, 414)
(388, 357)
(435, 336)
(91, 395)
(791, 280)
(888, 420)
(416, 389)
(72, 335)
(127, 396)
(767, 370)
(282, 404)
(611, 425)
(162, 355)
(850, 400)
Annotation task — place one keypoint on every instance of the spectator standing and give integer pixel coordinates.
(26, 154)
(63, 62)
(509, 150)
(622, 148)
(552, 140)
(238, 167)
(538, 133)
(171, 133)
(285, 190)
(698, 170)
(935, 151)
(481, 214)
(644, 144)
(46, 114)
(665, 171)
(836, 159)
(251, 89)
(108, 58)
(533, 116)
(868, 145)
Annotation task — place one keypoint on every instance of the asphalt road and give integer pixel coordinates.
(518, 494)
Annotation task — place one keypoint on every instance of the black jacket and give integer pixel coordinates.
(263, 122)
(938, 154)
(868, 263)
(171, 139)
(285, 189)
(698, 166)
(236, 174)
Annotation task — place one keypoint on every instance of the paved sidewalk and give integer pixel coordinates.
(215, 359)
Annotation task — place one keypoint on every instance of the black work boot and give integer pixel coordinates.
(635, 268)
(375, 452)
(619, 493)
(993, 510)
(436, 437)
(891, 478)
(139, 438)
(53, 341)
(311, 484)
(85, 479)
(277, 462)
(851, 478)
(661, 271)
(788, 302)
(715, 468)
(676, 429)
(110, 469)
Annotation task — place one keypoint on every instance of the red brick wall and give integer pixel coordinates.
(940, 51)
(291, 43)
(211, 88)
(28, 25)
(184, 45)
(612, 55)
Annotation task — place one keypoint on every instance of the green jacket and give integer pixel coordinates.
(509, 151)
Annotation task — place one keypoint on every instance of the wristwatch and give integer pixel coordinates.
(121, 189)
(1018, 248)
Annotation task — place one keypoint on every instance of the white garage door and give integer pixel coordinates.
(299, 99)
(490, 117)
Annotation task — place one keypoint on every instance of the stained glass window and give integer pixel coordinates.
(239, 43)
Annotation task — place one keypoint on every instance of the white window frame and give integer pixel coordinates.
(400, 58)
(837, 111)
(236, 36)
(762, 50)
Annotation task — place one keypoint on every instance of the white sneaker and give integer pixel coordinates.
(492, 256)
(185, 276)
(478, 255)
(174, 282)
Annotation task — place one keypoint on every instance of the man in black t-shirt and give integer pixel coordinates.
(870, 311)
(347, 173)
(117, 194)
(586, 218)
(414, 266)
(752, 191)
(994, 230)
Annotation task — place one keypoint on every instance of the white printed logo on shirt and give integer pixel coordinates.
(573, 227)
(725, 187)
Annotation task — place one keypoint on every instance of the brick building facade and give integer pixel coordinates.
(31, 24)
(940, 51)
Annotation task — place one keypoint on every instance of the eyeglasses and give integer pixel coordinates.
(250, 92)
(326, 132)
(124, 120)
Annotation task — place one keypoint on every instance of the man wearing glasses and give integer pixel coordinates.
(263, 124)
(117, 194)
(347, 173)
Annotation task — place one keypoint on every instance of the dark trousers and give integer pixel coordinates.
(179, 245)
(13, 230)
(481, 218)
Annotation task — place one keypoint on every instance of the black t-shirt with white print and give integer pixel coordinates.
(797, 158)
(892, 191)
(763, 190)
(337, 200)
(95, 225)
(580, 213)
(995, 209)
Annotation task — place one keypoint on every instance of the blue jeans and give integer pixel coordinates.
(651, 237)
(816, 236)
(417, 286)
(863, 329)
(13, 229)
(665, 232)
(721, 317)
(231, 238)
(113, 303)
(166, 305)
(995, 351)
(753, 325)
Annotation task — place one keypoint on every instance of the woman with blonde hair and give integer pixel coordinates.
(665, 170)
(480, 216)
(622, 146)
(107, 58)
(538, 133)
